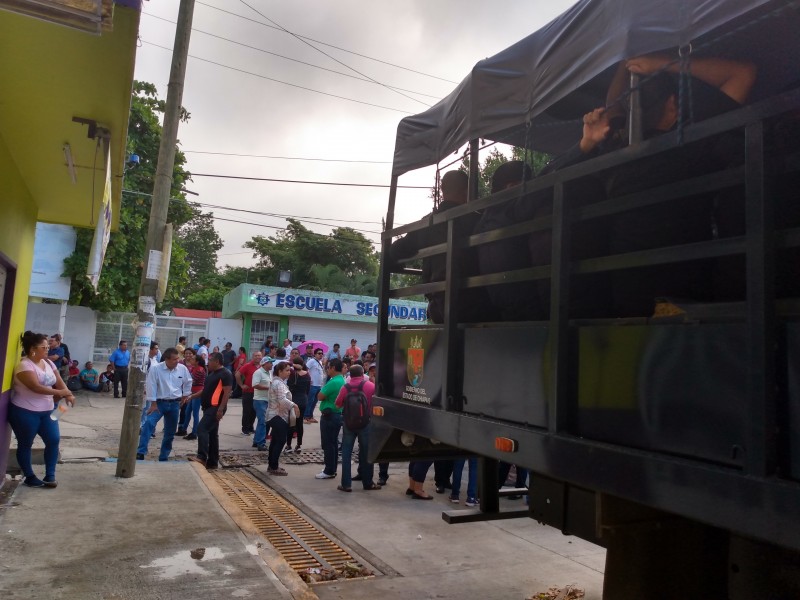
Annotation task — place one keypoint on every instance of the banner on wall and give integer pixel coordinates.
(102, 231)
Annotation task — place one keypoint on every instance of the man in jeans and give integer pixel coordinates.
(244, 377)
(331, 420)
(170, 384)
(317, 373)
(214, 402)
(366, 469)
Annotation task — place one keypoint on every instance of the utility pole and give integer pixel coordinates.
(151, 273)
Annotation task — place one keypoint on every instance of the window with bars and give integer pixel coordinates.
(259, 330)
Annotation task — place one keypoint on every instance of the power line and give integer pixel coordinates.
(308, 89)
(367, 79)
(299, 218)
(341, 160)
(304, 220)
(341, 237)
(370, 185)
(330, 45)
(345, 65)
(268, 214)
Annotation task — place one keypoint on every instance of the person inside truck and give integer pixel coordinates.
(454, 189)
(719, 85)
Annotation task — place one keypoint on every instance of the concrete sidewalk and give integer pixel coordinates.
(97, 536)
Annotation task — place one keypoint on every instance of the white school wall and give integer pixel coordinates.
(221, 331)
(333, 332)
(79, 327)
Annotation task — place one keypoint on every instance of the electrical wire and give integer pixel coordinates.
(336, 60)
(344, 239)
(255, 212)
(341, 160)
(330, 45)
(369, 185)
(367, 79)
(308, 89)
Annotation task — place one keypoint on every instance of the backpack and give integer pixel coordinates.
(355, 407)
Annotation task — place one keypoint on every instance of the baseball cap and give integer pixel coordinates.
(267, 359)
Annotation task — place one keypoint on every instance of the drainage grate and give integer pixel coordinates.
(248, 458)
(303, 546)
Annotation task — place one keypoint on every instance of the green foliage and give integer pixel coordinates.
(343, 261)
(122, 270)
(495, 158)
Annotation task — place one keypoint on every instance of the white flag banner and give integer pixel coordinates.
(102, 231)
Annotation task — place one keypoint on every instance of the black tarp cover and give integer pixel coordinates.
(518, 84)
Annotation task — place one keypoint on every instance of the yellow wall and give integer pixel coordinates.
(17, 233)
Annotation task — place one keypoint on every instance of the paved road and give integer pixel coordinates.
(100, 537)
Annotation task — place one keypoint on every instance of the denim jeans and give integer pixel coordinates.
(26, 425)
(208, 437)
(170, 410)
(312, 401)
(279, 430)
(418, 470)
(472, 478)
(329, 426)
(192, 410)
(260, 438)
(145, 408)
(365, 469)
(94, 387)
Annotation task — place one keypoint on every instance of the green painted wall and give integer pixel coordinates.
(246, 327)
(283, 330)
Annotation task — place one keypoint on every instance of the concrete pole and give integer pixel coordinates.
(129, 436)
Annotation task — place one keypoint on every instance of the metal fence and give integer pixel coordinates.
(113, 327)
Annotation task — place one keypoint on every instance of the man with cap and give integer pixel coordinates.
(262, 378)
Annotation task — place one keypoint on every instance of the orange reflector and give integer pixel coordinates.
(505, 444)
(377, 411)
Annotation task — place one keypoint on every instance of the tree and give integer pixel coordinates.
(122, 268)
(343, 261)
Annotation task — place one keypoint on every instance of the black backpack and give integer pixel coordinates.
(355, 407)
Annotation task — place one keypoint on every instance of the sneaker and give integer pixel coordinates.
(454, 499)
(33, 481)
(324, 475)
(50, 481)
(140, 456)
(190, 437)
(471, 502)
(440, 489)
(181, 433)
(382, 482)
(356, 477)
(287, 449)
(262, 448)
(297, 450)
(255, 445)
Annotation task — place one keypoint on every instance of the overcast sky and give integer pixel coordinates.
(235, 110)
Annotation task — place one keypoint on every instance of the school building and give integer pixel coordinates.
(302, 315)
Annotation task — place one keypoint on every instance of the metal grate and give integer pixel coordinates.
(302, 544)
(247, 458)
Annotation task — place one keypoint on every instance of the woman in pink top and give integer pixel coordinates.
(37, 385)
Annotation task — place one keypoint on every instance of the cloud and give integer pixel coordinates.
(239, 113)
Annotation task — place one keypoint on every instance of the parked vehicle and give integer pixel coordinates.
(670, 437)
